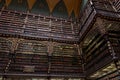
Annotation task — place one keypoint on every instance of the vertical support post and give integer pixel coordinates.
(50, 24)
(50, 28)
(50, 51)
(80, 49)
(50, 48)
(81, 54)
(72, 28)
(25, 20)
(61, 26)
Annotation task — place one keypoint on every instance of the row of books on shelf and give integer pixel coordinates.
(8, 27)
(19, 67)
(5, 45)
(4, 59)
(38, 48)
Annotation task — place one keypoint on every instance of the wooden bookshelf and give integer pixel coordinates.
(32, 47)
(66, 65)
(27, 24)
(95, 50)
(65, 50)
(40, 63)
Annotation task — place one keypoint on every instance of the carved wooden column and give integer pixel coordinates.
(82, 56)
(50, 51)
(72, 25)
(79, 49)
(50, 48)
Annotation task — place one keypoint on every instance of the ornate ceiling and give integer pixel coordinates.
(52, 7)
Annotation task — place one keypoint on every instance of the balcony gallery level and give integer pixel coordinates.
(59, 39)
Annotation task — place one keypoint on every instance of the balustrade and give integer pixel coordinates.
(25, 24)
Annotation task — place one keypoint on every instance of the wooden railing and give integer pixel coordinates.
(115, 42)
(58, 65)
(35, 55)
(26, 24)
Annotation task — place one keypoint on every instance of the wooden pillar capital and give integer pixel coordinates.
(15, 42)
(50, 48)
